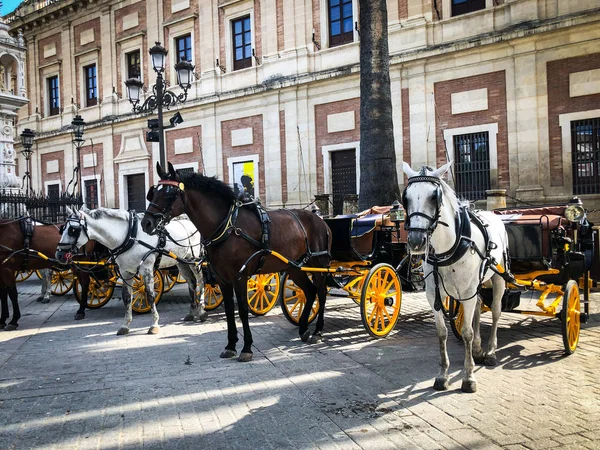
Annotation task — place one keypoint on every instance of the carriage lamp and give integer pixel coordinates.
(397, 212)
(184, 74)
(27, 140)
(574, 211)
(78, 125)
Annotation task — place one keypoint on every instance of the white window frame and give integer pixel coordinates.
(98, 179)
(237, 159)
(52, 182)
(325, 25)
(564, 122)
(492, 130)
(326, 151)
(193, 165)
(229, 18)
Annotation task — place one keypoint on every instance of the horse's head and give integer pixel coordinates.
(422, 201)
(73, 235)
(166, 200)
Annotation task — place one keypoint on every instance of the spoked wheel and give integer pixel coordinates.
(169, 279)
(38, 273)
(22, 275)
(62, 281)
(293, 301)
(263, 292)
(99, 292)
(570, 317)
(456, 322)
(212, 296)
(139, 301)
(381, 299)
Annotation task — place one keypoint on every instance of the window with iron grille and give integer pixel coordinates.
(133, 65)
(472, 168)
(340, 22)
(136, 192)
(53, 191)
(585, 154)
(242, 43)
(466, 6)
(183, 46)
(91, 85)
(91, 194)
(53, 96)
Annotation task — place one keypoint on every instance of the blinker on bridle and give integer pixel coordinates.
(163, 213)
(433, 220)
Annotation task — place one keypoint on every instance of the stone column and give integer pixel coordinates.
(496, 198)
(322, 202)
(9, 181)
(350, 204)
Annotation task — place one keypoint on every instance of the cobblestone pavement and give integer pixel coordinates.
(67, 384)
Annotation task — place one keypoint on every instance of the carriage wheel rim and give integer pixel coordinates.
(263, 291)
(212, 296)
(295, 303)
(138, 296)
(382, 286)
(573, 319)
(61, 282)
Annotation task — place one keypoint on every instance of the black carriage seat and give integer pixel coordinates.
(353, 238)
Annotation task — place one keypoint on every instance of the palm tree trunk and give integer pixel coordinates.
(378, 174)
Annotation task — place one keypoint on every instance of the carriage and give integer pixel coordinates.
(553, 250)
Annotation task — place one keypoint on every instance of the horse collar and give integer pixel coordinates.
(131, 236)
(224, 229)
(462, 243)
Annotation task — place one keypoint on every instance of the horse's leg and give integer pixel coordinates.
(469, 384)
(4, 306)
(241, 294)
(441, 381)
(126, 294)
(147, 274)
(195, 290)
(46, 284)
(84, 280)
(477, 350)
(14, 299)
(227, 291)
(319, 281)
(499, 286)
(310, 292)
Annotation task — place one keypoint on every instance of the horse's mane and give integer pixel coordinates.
(210, 185)
(101, 213)
(451, 196)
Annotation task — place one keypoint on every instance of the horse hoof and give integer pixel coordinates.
(480, 359)
(440, 384)
(10, 327)
(79, 316)
(315, 338)
(203, 317)
(45, 300)
(153, 330)
(304, 336)
(245, 357)
(123, 331)
(228, 354)
(469, 386)
(39, 299)
(189, 317)
(490, 360)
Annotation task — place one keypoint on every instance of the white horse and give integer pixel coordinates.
(135, 253)
(462, 250)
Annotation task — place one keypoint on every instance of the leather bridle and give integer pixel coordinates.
(163, 216)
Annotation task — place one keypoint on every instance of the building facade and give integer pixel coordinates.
(508, 89)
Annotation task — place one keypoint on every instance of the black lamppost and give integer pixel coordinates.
(27, 140)
(161, 97)
(78, 125)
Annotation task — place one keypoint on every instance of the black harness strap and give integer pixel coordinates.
(27, 228)
(131, 236)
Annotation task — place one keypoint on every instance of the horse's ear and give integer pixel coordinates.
(442, 170)
(69, 211)
(160, 171)
(172, 172)
(408, 170)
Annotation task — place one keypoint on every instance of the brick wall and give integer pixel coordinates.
(140, 8)
(323, 137)
(180, 133)
(402, 9)
(116, 148)
(90, 24)
(316, 20)
(559, 102)
(256, 148)
(495, 82)
(283, 147)
(405, 128)
(56, 176)
(280, 25)
(168, 16)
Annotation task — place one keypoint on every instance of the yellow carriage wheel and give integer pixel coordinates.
(38, 273)
(99, 292)
(457, 321)
(168, 280)
(570, 317)
(381, 299)
(293, 301)
(263, 292)
(61, 281)
(22, 275)
(139, 301)
(212, 296)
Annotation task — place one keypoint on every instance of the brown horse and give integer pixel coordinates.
(236, 246)
(12, 242)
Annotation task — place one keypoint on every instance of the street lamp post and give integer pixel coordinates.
(78, 125)
(161, 97)
(27, 140)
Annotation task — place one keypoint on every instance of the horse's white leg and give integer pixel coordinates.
(147, 274)
(46, 283)
(477, 350)
(196, 292)
(441, 381)
(126, 294)
(499, 287)
(469, 384)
